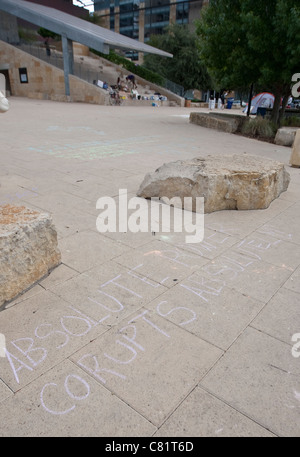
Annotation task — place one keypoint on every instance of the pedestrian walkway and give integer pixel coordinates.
(142, 334)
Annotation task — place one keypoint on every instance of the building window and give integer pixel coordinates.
(157, 18)
(23, 75)
(182, 12)
(156, 14)
(112, 18)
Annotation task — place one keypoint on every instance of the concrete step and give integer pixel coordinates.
(154, 103)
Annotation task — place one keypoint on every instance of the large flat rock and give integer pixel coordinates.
(28, 249)
(240, 182)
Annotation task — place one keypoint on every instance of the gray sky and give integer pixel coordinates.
(89, 4)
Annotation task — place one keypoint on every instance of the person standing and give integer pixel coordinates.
(131, 78)
(222, 97)
(212, 100)
(48, 50)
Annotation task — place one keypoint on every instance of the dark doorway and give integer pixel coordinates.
(7, 82)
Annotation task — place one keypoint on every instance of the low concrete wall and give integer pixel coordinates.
(46, 81)
(229, 123)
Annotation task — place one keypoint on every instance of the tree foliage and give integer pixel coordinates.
(244, 42)
(45, 33)
(185, 68)
(93, 18)
(130, 66)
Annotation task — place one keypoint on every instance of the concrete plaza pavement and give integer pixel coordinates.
(142, 334)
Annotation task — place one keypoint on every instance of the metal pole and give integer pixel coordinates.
(67, 47)
(249, 101)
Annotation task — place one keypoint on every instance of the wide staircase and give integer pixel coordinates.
(92, 68)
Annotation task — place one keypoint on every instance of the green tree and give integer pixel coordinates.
(244, 42)
(185, 68)
(93, 18)
(45, 33)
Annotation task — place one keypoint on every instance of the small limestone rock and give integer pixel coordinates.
(285, 136)
(239, 182)
(28, 249)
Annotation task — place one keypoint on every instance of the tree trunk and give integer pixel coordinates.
(284, 103)
(249, 100)
(276, 107)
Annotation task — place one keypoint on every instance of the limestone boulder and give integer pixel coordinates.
(28, 249)
(240, 182)
(285, 136)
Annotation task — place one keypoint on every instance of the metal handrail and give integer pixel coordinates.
(55, 58)
(174, 87)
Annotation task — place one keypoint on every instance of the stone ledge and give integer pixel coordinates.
(229, 123)
(28, 249)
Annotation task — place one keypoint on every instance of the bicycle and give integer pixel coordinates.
(114, 98)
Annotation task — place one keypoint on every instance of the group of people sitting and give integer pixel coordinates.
(124, 85)
(128, 84)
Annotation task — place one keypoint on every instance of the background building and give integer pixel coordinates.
(63, 5)
(139, 19)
